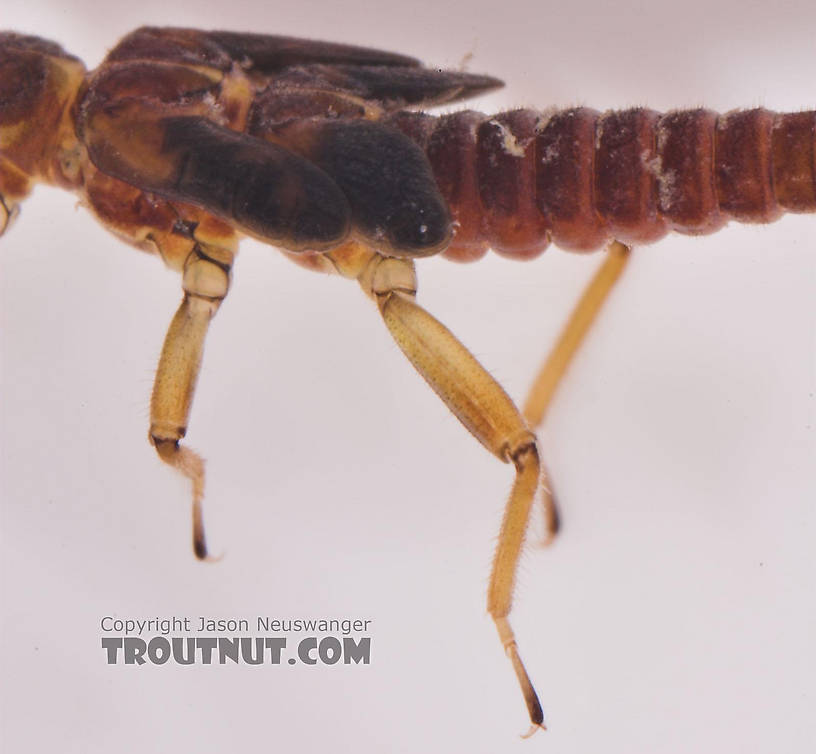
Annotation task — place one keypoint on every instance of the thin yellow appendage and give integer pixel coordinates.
(483, 407)
(480, 403)
(575, 330)
(191, 465)
(505, 565)
(550, 509)
(205, 283)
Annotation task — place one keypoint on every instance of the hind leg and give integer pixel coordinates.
(559, 359)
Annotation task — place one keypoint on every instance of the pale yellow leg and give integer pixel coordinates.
(552, 372)
(487, 411)
(578, 324)
(205, 283)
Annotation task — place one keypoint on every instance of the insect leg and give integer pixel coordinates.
(205, 283)
(481, 404)
(578, 324)
(557, 362)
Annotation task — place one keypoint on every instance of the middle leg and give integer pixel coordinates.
(486, 410)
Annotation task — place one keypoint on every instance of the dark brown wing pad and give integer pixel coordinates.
(262, 53)
(391, 87)
(395, 203)
(262, 188)
(272, 53)
(393, 80)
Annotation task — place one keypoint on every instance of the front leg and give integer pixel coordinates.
(205, 283)
(481, 404)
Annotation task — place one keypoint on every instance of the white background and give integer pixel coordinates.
(675, 613)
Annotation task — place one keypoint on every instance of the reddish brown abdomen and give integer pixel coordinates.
(577, 177)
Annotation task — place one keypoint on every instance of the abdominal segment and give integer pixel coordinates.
(578, 177)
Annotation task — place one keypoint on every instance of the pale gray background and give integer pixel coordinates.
(677, 611)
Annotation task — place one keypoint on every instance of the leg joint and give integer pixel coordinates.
(205, 275)
(521, 448)
(165, 436)
(167, 448)
(385, 275)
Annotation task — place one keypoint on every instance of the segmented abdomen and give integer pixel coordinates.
(577, 177)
